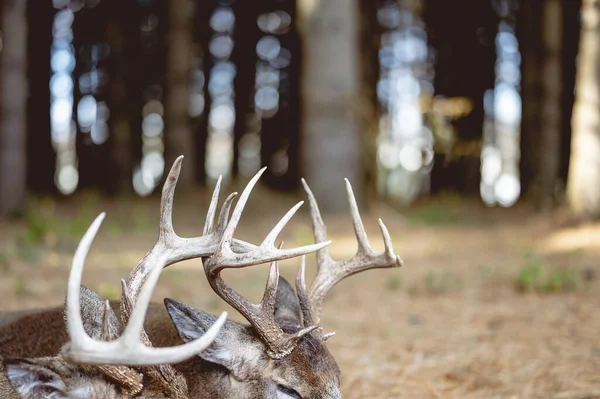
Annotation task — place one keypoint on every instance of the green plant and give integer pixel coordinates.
(577, 251)
(529, 275)
(559, 281)
(534, 277)
(394, 283)
(20, 285)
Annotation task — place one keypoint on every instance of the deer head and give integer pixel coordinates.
(283, 352)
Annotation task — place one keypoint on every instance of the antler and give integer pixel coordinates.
(175, 249)
(262, 316)
(128, 349)
(330, 272)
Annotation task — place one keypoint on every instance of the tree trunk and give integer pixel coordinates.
(543, 42)
(331, 138)
(583, 190)
(178, 132)
(551, 107)
(13, 106)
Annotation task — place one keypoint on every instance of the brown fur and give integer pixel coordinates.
(54, 378)
(234, 366)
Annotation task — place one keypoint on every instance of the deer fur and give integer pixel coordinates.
(35, 370)
(282, 354)
(51, 377)
(234, 366)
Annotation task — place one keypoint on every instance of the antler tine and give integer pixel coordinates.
(212, 209)
(302, 293)
(105, 334)
(359, 228)
(166, 231)
(319, 228)
(128, 349)
(225, 257)
(330, 272)
(224, 215)
(73, 315)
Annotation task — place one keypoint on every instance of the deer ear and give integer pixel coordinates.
(237, 347)
(288, 313)
(32, 380)
(92, 311)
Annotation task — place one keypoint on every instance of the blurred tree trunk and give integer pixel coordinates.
(178, 132)
(545, 57)
(370, 35)
(331, 139)
(529, 33)
(13, 106)
(551, 107)
(583, 190)
(465, 56)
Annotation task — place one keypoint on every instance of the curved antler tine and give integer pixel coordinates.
(328, 335)
(387, 240)
(212, 209)
(225, 245)
(166, 200)
(321, 234)
(105, 333)
(74, 322)
(359, 228)
(224, 214)
(138, 315)
(255, 257)
(269, 240)
(301, 276)
(319, 229)
(302, 293)
(270, 295)
(303, 332)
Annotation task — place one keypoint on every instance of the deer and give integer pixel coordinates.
(282, 352)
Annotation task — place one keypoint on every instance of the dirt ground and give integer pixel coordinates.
(490, 303)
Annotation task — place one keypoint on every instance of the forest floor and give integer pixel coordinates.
(490, 303)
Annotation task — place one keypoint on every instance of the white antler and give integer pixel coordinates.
(330, 272)
(128, 349)
(262, 316)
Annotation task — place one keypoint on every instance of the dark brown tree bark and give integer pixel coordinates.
(13, 106)
(547, 58)
(178, 132)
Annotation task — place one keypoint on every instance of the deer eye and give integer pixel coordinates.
(289, 392)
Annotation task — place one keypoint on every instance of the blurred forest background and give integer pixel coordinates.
(406, 98)
(472, 127)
